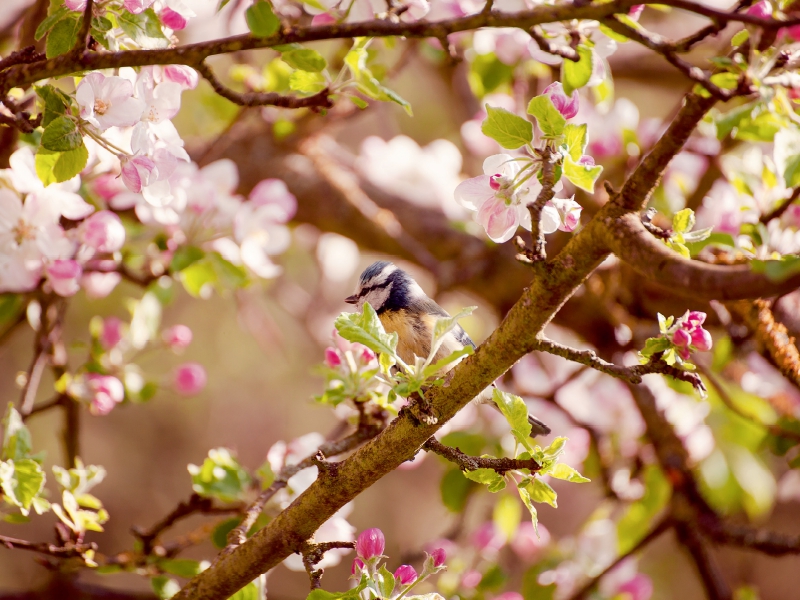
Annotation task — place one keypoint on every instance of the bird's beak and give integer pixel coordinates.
(351, 299)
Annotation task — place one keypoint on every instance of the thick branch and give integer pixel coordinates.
(752, 538)
(631, 242)
(715, 585)
(471, 463)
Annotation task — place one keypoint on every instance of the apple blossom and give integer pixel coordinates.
(370, 544)
(105, 392)
(561, 213)
(762, 9)
(64, 276)
(184, 76)
(439, 556)
(108, 101)
(172, 19)
(405, 574)
(137, 6)
(189, 379)
(75, 4)
(99, 285)
(137, 171)
(103, 231)
(470, 579)
(177, 337)
(332, 358)
(357, 566)
(568, 106)
(111, 333)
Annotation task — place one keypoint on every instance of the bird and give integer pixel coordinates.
(404, 308)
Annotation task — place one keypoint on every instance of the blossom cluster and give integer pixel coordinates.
(679, 337)
(173, 14)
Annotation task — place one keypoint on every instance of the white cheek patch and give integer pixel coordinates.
(382, 276)
(376, 297)
(414, 291)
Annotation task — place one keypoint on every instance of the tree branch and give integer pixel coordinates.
(472, 463)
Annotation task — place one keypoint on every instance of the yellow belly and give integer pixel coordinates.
(414, 335)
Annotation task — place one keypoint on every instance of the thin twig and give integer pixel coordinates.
(313, 553)
(58, 400)
(778, 211)
(565, 52)
(472, 463)
(69, 549)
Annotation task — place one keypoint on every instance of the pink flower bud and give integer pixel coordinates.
(366, 355)
(701, 339)
(64, 276)
(137, 6)
(439, 556)
(75, 4)
(357, 565)
(111, 335)
(189, 379)
(184, 76)
(567, 106)
(639, 587)
(103, 231)
(694, 318)
(370, 543)
(792, 32)
(587, 160)
(405, 574)
(761, 9)
(172, 19)
(137, 171)
(323, 19)
(636, 11)
(177, 337)
(105, 392)
(486, 537)
(681, 338)
(684, 353)
(332, 358)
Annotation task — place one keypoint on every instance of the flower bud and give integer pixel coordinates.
(111, 334)
(761, 9)
(172, 19)
(405, 574)
(701, 339)
(681, 338)
(184, 76)
(189, 379)
(366, 355)
(137, 171)
(357, 566)
(64, 276)
(332, 358)
(105, 392)
(567, 106)
(639, 587)
(177, 337)
(439, 556)
(636, 11)
(694, 318)
(103, 231)
(370, 543)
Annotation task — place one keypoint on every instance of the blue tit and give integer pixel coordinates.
(404, 308)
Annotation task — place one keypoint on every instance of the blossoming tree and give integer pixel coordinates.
(660, 233)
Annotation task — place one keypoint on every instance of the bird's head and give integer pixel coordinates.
(386, 287)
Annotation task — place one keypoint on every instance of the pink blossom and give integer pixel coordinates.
(99, 285)
(137, 6)
(323, 19)
(162, 100)
(64, 276)
(586, 160)
(567, 106)
(693, 319)
(172, 19)
(486, 537)
(761, 9)
(405, 574)
(105, 392)
(137, 171)
(639, 587)
(106, 186)
(439, 556)
(701, 339)
(274, 194)
(108, 101)
(111, 334)
(332, 358)
(357, 566)
(189, 379)
(103, 231)
(681, 338)
(561, 213)
(470, 579)
(370, 544)
(527, 544)
(177, 337)
(793, 33)
(75, 4)
(184, 76)
(636, 11)
(499, 207)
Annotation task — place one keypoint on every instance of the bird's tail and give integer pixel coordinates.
(537, 427)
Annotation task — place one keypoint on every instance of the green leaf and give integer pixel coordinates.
(654, 345)
(554, 450)
(550, 121)
(507, 516)
(567, 473)
(164, 587)
(80, 479)
(266, 474)
(740, 38)
(541, 492)
(21, 481)
(63, 37)
(526, 500)
(220, 476)
(575, 75)
(219, 537)
(17, 442)
(55, 167)
(506, 128)
(366, 328)
(516, 413)
(487, 73)
(442, 363)
(305, 59)
(144, 29)
(384, 582)
(729, 121)
(683, 220)
(455, 489)
(55, 102)
(582, 176)
(487, 477)
(777, 270)
(261, 19)
(307, 82)
(575, 139)
(61, 135)
(185, 256)
(49, 21)
(182, 567)
(248, 592)
(198, 278)
(352, 594)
